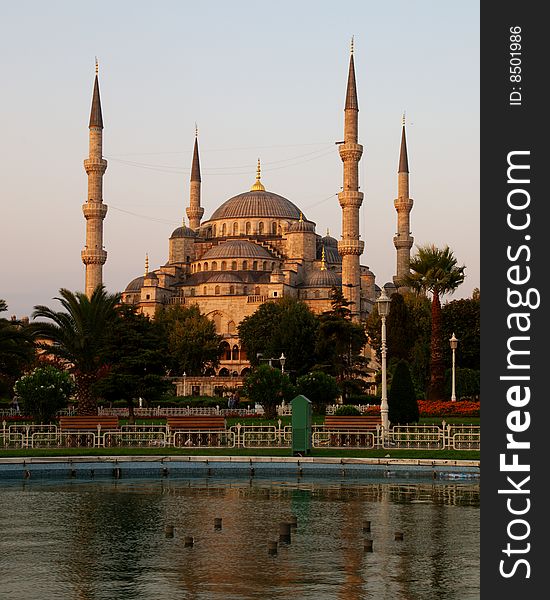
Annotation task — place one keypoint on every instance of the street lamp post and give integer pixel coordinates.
(454, 343)
(383, 303)
(282, 360)
(184, 384)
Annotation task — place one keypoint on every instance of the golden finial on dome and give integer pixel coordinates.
(146, 264)
(258, 186)
(323, 264)
(301, 216)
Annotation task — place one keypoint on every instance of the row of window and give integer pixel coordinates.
(245, 266)
(231, 290)
(233, 229)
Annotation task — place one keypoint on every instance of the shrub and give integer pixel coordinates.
(347, 410)
(43, 392)
(403, 407)
(318, 387)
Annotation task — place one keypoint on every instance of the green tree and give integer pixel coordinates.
(402, 404)
(340, 346)
(400, 329)
(269, 387)
(286, 326)
(462, 317)
(193, 344)
(135, 355)
(77, 337)
(43, 392)
(320, 388)
(435, 270)
(16, 351)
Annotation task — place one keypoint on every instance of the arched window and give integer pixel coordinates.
(217, 290)
(188, 259)
(260, 227)
(223, 229)
(231, 328)
(247, 228)
(272, 266)
(224, 265)
(235, 353)
(231, 289)
(317, 293)
(274, 227)
(226, 351)
(245, 290)
(199, 267)
(245, 265)
(214, 230)
(192, 291)
(224, 372)
(255, 265)
(234, 265)
(264, 265)
(214, 266)
(206, 266)
(235, 229)
(304, 295)
(257, 290)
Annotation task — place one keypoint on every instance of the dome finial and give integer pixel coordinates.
(258, 186)
(146, 264)
(301, 216)
(323, 264)
(328, 232)
(196, 130)
(351, 48)
(96, 66)
(404, 118)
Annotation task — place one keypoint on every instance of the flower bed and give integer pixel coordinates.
(437, 408)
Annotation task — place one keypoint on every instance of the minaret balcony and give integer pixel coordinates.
(403, 203)
(350, 151)
(403, 242)
(350, 198)
(93, 257)
(95, 165)
(94, 210)
(354, 247)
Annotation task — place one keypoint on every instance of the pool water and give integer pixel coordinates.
(107, 540)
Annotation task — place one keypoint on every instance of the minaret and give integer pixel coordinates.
(195, 210)
(403, 240)
(93, 255)
(350, 246)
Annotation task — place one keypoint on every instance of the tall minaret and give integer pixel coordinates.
(93, 255)
(195, 210)
(350, 198)
(403, 240)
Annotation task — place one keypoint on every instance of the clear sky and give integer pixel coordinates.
(261, 79)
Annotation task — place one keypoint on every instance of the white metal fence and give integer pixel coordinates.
(417, 437)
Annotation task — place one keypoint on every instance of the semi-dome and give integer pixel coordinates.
(331, 254)
(183, 232)
(301, 226)
(236, 249)
(255, 204)
(224, 277)
(135, 285)
(323, 278)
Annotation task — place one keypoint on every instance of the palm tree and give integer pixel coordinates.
(77, 337)
(435, 270)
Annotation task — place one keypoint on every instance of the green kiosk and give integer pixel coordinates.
(301, 426)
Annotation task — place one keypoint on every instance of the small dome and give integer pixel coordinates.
(324, 278)
(151, 275)
(236, 249)
(329, 242)
(135, 285)
(225, 277)
(301, 226)
(256, 203)
(183, 232)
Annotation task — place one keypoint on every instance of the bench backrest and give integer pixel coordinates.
(196, 423)
(352, 421)
(88, 422)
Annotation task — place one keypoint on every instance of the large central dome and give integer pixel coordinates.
(257, 203)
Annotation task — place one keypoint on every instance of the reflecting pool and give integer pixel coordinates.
(110, 540)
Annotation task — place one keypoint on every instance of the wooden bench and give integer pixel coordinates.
(353, 430)
(347, 422)
(196, 430)
(88, 422)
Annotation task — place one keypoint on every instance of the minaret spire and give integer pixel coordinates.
(403, 240)
(93, 255)
(350, 246)
(195, 210)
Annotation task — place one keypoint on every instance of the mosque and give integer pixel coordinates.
(256, 247)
